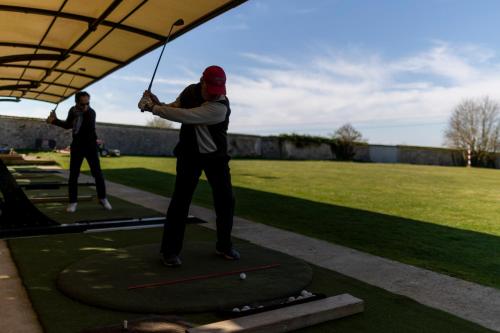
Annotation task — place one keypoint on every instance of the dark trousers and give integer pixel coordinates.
(188, 173)
(78, 153)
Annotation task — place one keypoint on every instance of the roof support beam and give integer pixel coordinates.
(36, 92)
(32, 57)
(54, 18)
(15, 100)
(47, 69)
(41, 82)
(20, 86)
(57, 49)
(92, 27)
(89, 20)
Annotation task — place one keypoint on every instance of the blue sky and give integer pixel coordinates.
(393, 69)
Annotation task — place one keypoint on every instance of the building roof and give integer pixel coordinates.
(52, 48)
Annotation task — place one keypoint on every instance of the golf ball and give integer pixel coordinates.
(245, 308)
(243, 276)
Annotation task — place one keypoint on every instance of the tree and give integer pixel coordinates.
(475, 125)
(345, 138)
(158, 122)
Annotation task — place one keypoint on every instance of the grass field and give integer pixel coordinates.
(440, 218)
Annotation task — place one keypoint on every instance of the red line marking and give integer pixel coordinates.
(202, 277)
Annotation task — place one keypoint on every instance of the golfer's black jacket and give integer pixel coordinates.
(82, 125)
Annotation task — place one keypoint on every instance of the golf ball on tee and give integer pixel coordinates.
(243, 276)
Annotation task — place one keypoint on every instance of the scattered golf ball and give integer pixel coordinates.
(236, 310)
(245, 308)
(305, 294)
(291, 299)
(243, 276)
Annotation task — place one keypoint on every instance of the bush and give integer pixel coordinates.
(344, 140)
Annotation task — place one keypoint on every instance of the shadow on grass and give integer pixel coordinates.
(455, 252)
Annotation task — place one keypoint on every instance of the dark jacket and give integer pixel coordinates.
(82, 125)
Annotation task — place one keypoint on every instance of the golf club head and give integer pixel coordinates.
(179, 22)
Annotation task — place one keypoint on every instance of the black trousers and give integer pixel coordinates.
(188, 173)
(78, 153)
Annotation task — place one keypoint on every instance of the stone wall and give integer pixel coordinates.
(23, 133)
(138, 140)
(312, 151)
(383, 154)
(241, 145)
(430, 156)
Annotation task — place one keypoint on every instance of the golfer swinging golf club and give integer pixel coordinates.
(203, 110)
(81, 119)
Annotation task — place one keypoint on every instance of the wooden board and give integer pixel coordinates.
(289, 318)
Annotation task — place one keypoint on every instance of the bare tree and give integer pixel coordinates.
(345, 138)
(158, 122)
(348, 133)
(475, 125)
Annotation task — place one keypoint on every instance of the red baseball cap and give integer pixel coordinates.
(215, 79)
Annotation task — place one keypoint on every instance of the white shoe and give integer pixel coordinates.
(105, 203)
(72, 207)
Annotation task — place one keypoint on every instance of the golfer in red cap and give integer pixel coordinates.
(203, 110)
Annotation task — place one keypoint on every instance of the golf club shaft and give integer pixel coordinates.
(178, 22)
(65, 90)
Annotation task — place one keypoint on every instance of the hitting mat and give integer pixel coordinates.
(133, 279)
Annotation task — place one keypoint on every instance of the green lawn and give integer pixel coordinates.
(441, 218)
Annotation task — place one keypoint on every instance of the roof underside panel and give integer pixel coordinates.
(50, 49)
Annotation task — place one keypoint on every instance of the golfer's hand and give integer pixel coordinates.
(146, 103)
(152, 96)
(51, 117)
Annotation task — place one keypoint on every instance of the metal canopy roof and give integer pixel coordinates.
(47, 44)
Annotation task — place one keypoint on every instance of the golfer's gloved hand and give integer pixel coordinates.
(146, 103)
(153, 97)
(50, 119)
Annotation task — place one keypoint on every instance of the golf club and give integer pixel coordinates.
(81, 69)
(179, 22)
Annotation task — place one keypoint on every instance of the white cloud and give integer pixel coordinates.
(332, 90)
(443, 61)
(146, 80)
(268, 60)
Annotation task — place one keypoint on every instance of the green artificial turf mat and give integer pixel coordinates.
(92, 210)
(103, 279)
(41, 259)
